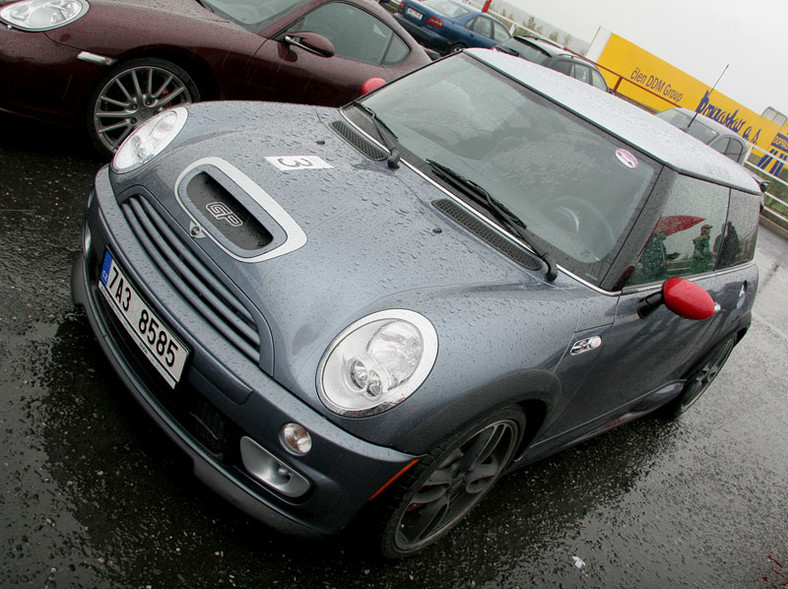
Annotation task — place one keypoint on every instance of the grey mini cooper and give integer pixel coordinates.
(382, 308)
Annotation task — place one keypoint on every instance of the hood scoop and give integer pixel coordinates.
(227, 216)
(227, 206)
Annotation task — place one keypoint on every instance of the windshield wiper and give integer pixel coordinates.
(508, 50)
(499, 210)
(386, 135)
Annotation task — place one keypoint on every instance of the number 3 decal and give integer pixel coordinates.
(298, 162)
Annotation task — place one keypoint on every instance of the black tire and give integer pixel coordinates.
(131, 93)
(457, 48)
(439, 492)
(701, 377)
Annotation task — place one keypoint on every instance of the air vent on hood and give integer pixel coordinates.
(489, 236)
(226, 214)
(358, 141)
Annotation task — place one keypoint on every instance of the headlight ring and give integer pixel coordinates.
(43, 15)
(377, 362)
(149, 139)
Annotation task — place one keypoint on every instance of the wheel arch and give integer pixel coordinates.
(532, 391)
(194, 65)
(195, 71)
(535, 415)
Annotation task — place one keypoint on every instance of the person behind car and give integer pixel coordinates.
(702, 254)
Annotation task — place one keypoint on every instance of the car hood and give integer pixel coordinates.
(153, 21)
(364, 238)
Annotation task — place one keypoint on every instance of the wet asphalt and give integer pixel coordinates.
(92, 495)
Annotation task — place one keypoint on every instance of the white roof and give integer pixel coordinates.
(642, 130)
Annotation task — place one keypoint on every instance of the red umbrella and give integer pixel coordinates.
(675, 223)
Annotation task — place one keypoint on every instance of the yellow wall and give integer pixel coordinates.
(658, 85)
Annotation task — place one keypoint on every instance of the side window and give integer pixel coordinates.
(398, 50)
(683, 240)
(500, 33)
(355, 34)
(720, 144)
(582, 73)
(735, 243)
(597, 81)
(481, 25)
(564, 66)
(735, 150)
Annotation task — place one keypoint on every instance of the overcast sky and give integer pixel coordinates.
(698, 37)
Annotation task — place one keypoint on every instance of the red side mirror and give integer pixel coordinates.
(687, 299)
(372, 84)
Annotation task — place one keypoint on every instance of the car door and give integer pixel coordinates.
(639, 355)
(480, 32)
(365, 47)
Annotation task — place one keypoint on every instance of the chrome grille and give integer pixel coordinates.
(187, 274)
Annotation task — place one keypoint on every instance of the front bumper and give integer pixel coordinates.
(224, 397)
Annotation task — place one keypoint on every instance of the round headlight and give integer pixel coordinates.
(149, 139)
(377, 362)
(43, 15)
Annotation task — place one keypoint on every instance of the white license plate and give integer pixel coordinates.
(165, 351)
(413, 13)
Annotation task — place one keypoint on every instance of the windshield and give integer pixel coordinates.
(525, 49)
(701, 131)
(254, 15)
(574, 187)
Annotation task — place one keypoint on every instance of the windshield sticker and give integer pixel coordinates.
(627, 158)
(298, 162)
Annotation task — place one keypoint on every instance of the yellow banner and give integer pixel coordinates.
(645, 78)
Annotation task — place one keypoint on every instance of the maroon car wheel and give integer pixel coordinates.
(130, 94)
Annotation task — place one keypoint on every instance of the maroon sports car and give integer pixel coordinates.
(110, 65)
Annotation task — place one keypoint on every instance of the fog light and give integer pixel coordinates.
(296, 439)
(270, 471)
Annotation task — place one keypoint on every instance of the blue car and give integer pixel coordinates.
(446, 26)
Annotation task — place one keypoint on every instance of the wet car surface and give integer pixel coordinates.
(333, 332)
(95, 496)
(108, 66)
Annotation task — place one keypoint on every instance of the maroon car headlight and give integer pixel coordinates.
(377, 362)
(43, 15)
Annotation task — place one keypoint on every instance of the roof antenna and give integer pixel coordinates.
(695, 116)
